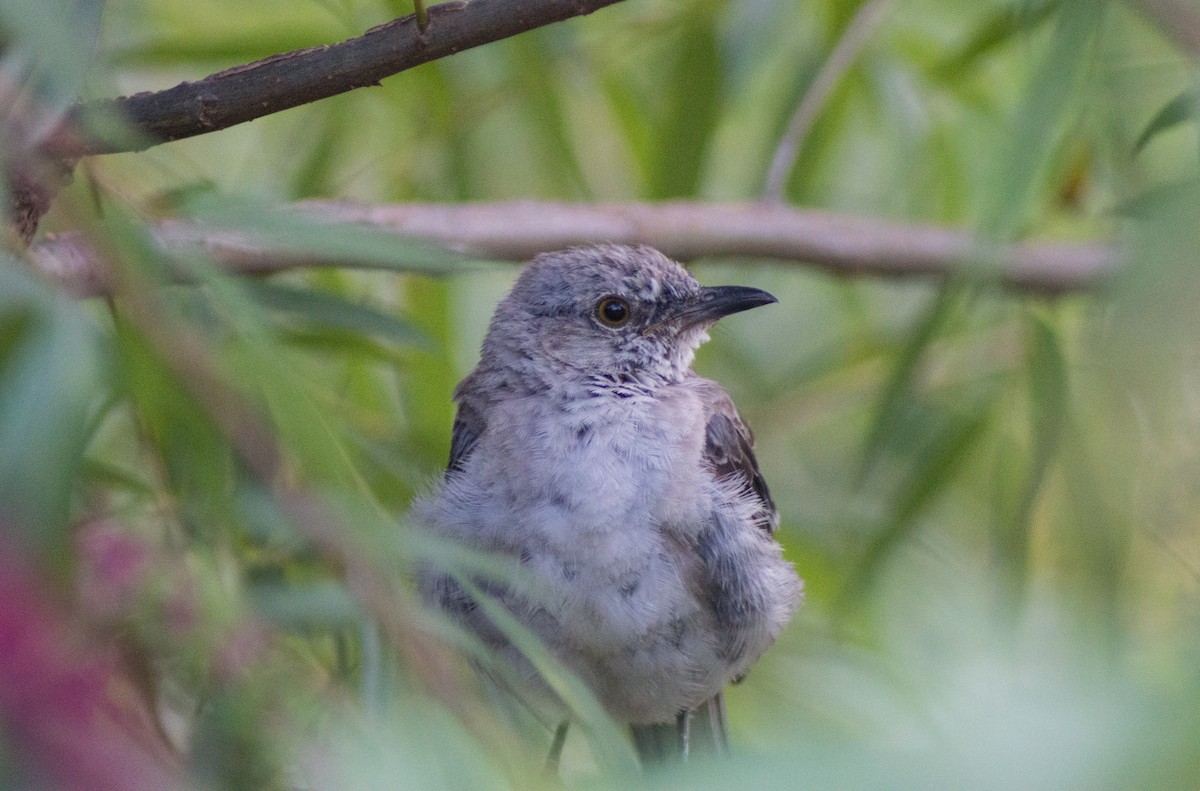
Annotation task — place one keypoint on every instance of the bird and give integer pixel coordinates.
(623, 485)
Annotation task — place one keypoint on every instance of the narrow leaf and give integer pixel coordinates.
(1181, 109)
(328, 309)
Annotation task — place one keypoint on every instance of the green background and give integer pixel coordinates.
(993, 497)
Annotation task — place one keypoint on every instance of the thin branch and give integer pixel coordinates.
(1178, 21)
(841, 58)
(280, 82)
(841, 244)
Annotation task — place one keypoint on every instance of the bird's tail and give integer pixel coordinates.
(699, 731)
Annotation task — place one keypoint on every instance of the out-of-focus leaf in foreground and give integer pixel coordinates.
(50, 380)
(292, 233)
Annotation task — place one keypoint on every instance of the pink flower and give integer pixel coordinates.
(59, 695)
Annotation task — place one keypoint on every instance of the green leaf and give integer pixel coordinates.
(207, 50)
(314, 171)
(48, 45)
(637, 130)
(323, 605)
(1040, 121)
(948, 441)
(539, 83)
(1182, 109)
(692, 110)
(49, 373)
(429, 381)
(111, 477)
(613, 750)
(1048, 385)
(997, 30)
(291, 232)
(332, 310)
(898, 392)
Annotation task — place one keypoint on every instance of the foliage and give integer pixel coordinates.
(991, 495)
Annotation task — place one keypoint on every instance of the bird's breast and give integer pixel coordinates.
(606, 463)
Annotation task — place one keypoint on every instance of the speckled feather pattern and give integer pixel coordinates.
(586, 452)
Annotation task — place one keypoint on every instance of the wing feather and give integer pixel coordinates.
(729, 451)
(468, 428)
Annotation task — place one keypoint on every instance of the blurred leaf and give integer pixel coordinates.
(428, 381)
(314, 176)
(208, 51)
(49, 44)
(899, 389)
(1182, 109)
(332, 310)
(1048, 399)
(1145, 205)
(999, 28)
(343, 345)
(415, 744)
(636, 127)
(613, 750)
(49, 373)
(291, 232)
(1048, 386)
(537, 77)
(111, 477)
(1039, 122)
(1043, 449)
(197, 464)
(691, 111)
(322, 605)
(946, 441)
(231, 749)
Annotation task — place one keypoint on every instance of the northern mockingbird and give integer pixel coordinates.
(626, 485)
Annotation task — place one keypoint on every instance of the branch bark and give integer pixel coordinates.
(517, 231)
(280, 82)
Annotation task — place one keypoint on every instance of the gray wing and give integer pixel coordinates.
(729, 451)
(468, 428)
(469, 423)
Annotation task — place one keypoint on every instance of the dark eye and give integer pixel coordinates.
(612, 311)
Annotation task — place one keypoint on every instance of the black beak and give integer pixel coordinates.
(716, 302)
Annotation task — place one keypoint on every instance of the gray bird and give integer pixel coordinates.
(626, 486)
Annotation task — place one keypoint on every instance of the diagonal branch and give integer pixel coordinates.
(280, 82)
(837, 243)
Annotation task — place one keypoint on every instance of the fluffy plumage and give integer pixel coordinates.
(625, 484)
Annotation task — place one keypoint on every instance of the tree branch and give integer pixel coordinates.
(841, 244)
(280, 82)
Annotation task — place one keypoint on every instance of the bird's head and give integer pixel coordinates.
(612, 311)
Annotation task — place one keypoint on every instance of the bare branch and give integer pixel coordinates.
(254, 90)
(1179, 21)
(845, 52)
(33, 179)
(842, 244)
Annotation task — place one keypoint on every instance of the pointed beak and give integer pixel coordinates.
(716, 302)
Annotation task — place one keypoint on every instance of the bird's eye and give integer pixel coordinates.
(613, 311)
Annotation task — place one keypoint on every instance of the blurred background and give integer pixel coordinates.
(993, 496)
